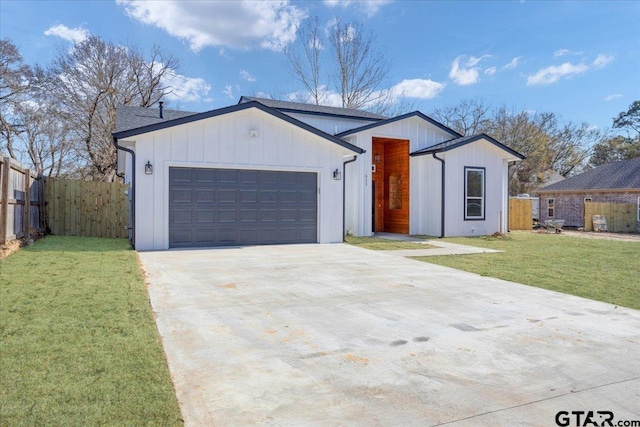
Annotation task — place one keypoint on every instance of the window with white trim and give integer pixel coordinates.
(474, 193)
(550, 207)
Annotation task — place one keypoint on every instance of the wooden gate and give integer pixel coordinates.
(520, 214)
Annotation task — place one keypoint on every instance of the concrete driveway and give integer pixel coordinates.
(334, 335)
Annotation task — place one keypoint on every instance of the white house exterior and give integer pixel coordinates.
(271, 172)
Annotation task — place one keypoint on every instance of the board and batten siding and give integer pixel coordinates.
(421, 134)
(225, 142)
(484, 155)
(330, 125)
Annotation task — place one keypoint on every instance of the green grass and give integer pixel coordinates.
(78, 342)
(604, 270)
(380, 244)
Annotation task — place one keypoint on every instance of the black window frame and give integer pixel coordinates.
(483, 199)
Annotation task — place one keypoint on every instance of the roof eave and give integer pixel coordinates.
(232, 109)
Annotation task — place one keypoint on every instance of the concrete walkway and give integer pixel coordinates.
(335, 335)
(443, 248)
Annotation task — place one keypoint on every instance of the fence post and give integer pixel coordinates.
(42, 221)
(27, 203)
(4, 203)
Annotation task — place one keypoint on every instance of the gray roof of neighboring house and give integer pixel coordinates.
(615, 175)
(129, 117)
(299, 107)
(138, 115)
(459, 142)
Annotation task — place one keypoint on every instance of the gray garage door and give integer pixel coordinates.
(222, 207)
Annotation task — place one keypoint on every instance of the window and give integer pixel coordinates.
(474, 189)
(550, 207)
(395, 191)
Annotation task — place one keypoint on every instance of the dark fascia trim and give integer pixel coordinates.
(244, 100)
(475, 138)
(402, 117)
(232, 109)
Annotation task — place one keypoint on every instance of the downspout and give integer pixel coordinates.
(344, 197)
(441, 192)
(132, 226)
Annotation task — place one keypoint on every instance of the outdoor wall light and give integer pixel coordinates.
(337, 175)
(253, 133)
(148, 168)
(377, 158)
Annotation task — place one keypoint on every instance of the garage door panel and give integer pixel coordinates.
(223, 207)
(227, 195)
(181, 195)
(205, 195)
(227, 215)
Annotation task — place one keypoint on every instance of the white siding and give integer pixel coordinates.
(479, 154)
(225, 141)
(330, 125)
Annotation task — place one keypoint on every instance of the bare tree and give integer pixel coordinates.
(91, 80)
(356, 72)
(469, 117)
(547, 142)
(14, 85)
(304, 61)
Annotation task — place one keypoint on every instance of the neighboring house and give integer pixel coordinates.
(269, 172)
(543, 179)
(616, 182)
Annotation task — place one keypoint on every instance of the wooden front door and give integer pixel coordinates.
(391, 185)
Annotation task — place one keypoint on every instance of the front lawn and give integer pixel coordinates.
(604, 270)
(78, 342)
(381, 244)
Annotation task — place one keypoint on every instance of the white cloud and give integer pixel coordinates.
(473, 61)
(465, 74)
(228, 91)
(246, 76)
(563, 52)
(612, 96)
(370, 7)
(186, 89)
(490, 71)
(417, 88)
(513, 64)
(602, 60)
(73, 35)
(554, 73)
(240, 24)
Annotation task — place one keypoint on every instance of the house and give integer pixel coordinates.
(615, 182)
(271, 172)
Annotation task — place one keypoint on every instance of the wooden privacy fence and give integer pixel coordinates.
(21, 201)
(87, 208)
(520, 214)
(621, 217)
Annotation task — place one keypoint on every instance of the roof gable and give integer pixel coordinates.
(624, 174)
(312, 109)
(227, 110)
(462, 141)
(395, 119)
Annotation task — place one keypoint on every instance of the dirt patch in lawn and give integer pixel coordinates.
(9, 248)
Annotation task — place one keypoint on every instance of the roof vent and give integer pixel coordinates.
(161, 115)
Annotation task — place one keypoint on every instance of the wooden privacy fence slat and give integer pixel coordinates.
(21, 201)
(87, 208)
(621, 217)
(520, 214)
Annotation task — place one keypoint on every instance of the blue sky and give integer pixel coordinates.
(580, 60)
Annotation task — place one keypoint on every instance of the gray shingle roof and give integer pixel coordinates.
(288, 106)
(463, 140)
(128, 117)
(614, 175)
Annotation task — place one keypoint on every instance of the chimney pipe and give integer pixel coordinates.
(161, 115)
